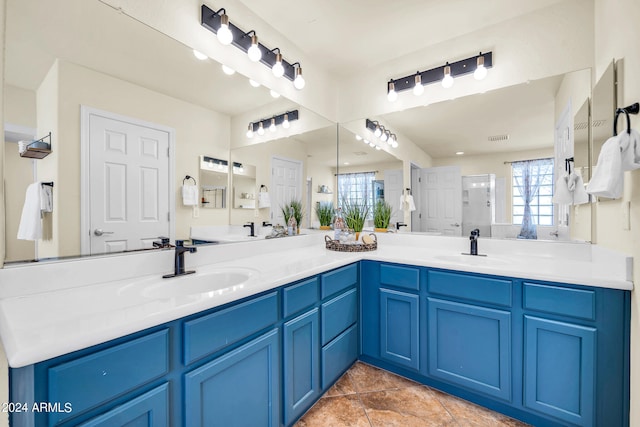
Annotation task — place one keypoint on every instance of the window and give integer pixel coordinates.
(533, 180)
(356, 188)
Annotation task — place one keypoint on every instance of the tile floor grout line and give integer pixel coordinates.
(455, 420)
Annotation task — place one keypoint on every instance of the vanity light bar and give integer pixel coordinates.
(379, 131)
(210, 19)
(457, 69)
(279, 119)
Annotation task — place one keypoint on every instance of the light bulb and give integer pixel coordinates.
(418, 89)
(224, 33)
(228, 70)
(394, 144)
(201, 56)
(254, 52)
(378, 147)
(260, 129)
(480, 72)
(285, 122)
(377, 132)
(274, 93)
(278, 69)
(447, 81)
(299, 82)
(366, 141)
(392, 95)
(254, 83)
(272, 126)
(250, 131)
(392, 140)
(384, 136)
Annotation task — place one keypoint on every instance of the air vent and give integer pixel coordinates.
(495, 138)
(580, 126)
(360, 153)
(598, 123)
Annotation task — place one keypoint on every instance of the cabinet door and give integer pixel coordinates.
(301, 364)
(240, 388)
(399, 327)
(150, 410)
(559, 369)
(470, 346)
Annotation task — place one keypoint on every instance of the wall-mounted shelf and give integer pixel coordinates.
(38, 149)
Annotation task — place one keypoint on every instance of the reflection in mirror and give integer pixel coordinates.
(58, 62)
(214, 177)
(244, 186)
(604, 107)
(483, 135)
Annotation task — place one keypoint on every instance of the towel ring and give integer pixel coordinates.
(189, 177)
(266, 189)
(631, 109)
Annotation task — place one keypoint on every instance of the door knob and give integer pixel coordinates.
(100, 232)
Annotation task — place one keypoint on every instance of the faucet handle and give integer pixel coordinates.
(164, 240)
(179, 243)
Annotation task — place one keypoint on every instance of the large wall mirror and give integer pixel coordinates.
(116, 79)
(459, 155)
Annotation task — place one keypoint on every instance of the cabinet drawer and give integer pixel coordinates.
(299, 296)
(468, 287)
(338, 280)
(152, 407)
(208, 334)
(338, 314)
(560, 300)
(94, 379)
(339, 355)
(401, 277)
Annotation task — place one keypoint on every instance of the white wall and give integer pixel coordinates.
(616, 36)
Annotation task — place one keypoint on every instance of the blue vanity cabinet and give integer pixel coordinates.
(240, 388)
(469, 332)
(399, 327)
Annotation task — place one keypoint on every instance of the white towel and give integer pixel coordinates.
(407, 203)
(264, 200)
(189, 195)
(607, 175)
(563, 196)
(630, 149)
(580, 195)
(46, 198)
(31, 222)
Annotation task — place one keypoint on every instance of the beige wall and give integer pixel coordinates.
(623, 16)
(4, 367)
(197, 131)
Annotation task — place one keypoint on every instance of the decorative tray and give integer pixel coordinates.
(335, 245)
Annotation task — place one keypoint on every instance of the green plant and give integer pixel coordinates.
(296, 207)
(381, 214)
(324, 212)
(355, 214)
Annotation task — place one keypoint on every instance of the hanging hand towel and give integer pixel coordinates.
(46, 198)
(406, 203)
(563, 196)
(630, 149)
(31, 222)
(189, 195)
(580, 195)
(412, 206)
(607, 175)
(264, 200)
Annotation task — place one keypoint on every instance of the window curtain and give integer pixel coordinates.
(529, 182)
(355, 187)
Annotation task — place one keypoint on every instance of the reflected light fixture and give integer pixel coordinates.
(385, 136)
(392, 95)
(224, 34)
(285, 121)
(228, 70)
(201, 56)
(447, 80)
(381, 132)
(377, 131)
(481, 71)
(274, 93)
(272, 126)
(254, 83)
(254, 53)
(298, 81)
(260, 129)
(277, 69)
(250, 131)
(418, 89)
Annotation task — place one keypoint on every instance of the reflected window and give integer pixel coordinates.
(532, 182)
(357, 188)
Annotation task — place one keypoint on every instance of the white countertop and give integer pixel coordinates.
(54, 308)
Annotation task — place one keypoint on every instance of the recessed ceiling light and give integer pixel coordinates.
(201, 56)
(459, 153)
(254, 83)
(228, 70)
(274, 94)
(346, 163)
(358, 137)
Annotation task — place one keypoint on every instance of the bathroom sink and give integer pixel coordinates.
(215, 282)
(472, 260)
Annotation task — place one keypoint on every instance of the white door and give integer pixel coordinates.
(441, 200)
(392, 194)
(564, 149)
(128, 194)
(286, 184)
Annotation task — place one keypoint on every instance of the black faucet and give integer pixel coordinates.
(474, 241)
(163, 243)
(179, 259)
(266, 224)
(251, 225)
(400, 224)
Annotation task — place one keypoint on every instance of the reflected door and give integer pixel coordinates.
(393, 192)
(128, 184)
(441, 200)
(286, 182)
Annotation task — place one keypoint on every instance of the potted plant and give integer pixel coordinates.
(324, 212)
(381, 216)
(355, 214)
(294, 206)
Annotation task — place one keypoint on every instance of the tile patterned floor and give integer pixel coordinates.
(366, 396)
